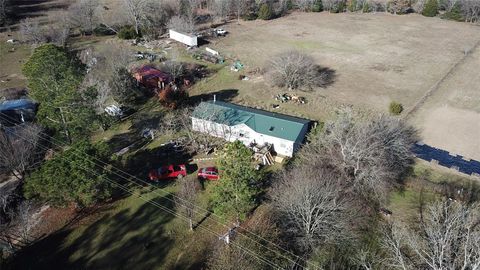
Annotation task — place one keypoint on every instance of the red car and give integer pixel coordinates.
(209, 173)
(168, 172)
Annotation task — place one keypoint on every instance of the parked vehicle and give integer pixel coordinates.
(114, 111)
(209, 173)
(168, 172)
(219, 32)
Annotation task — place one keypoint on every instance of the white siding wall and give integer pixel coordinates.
(185, 39)
(244, 134)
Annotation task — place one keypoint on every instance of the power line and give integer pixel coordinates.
(197, 207)
(172, 212)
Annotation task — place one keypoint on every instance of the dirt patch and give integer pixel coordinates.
(377, 57)
(450, 118)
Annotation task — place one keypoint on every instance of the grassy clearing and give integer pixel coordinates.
(425, 184)
(12, 57)
(130, 234)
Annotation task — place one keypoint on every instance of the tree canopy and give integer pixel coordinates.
(72, 176)
(234, 193)
(54, 76)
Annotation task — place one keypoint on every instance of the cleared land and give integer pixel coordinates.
(377, 58)
(450, 118)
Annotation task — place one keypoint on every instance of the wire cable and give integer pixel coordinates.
(202, 210)
(170, 211)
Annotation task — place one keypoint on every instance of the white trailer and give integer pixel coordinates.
(188, 40)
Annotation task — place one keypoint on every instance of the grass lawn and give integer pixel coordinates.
(128, 234)
(429, 183)
(12, 57)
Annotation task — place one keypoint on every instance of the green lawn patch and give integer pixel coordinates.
(130, 234)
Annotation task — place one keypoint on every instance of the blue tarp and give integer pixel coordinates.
(444, 159)
(17, 104)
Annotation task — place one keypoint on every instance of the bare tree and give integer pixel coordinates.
(235, 255)
(305, 5)
(174, 67)
(311, 206)
(31, 32)
(208, 136)
(108, 74)
(295, 70)
(393, 242)
(418, 6)
(221, 9)
(333, 5)
(157, 15)
(84, 14)
(58, 30)
(182, 24)
(25, 220)
(448, 237)
(372, 153)
(19, 149)
(471, 10)
(3, 10)
(135, 10)
(399, 6)
(187, 198)
(241, 7)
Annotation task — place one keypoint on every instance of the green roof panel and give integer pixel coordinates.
(263, 122)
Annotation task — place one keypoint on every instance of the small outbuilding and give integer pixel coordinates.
(189, 40)
(151, 77)
(251, 126)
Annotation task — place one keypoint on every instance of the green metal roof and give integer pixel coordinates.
(263, 122)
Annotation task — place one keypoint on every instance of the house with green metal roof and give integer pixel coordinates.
(250, 126)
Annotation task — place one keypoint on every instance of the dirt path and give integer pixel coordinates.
(437, 85)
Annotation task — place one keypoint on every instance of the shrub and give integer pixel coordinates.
(265, 12)
(395, 108)
(366, 7)
(251, 16)
(352, 6)
(103, 30)
(454, 14)
(317, 6)
(399, 6)
(127, 32)
(431, 8)
(295, 70)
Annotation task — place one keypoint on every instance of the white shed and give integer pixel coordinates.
(189, 40)
(234, 122)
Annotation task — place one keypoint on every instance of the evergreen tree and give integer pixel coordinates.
(317, 6)
(352, 6)
(54, 76)
(234, 194)
(72, 176)
(431, 8)
(265, 12)
(455, 13)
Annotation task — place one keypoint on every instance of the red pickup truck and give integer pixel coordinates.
(168, 172)
(209, 173)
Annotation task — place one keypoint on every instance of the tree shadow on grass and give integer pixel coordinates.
(22, 9)
(124, 240)
(225, 95)
(327, 75)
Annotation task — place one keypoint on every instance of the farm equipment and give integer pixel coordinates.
(208, 58)
(237, 66)
(287, 97)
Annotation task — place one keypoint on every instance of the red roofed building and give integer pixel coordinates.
(151, 77)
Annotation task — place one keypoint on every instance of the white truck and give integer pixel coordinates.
(189, 40)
